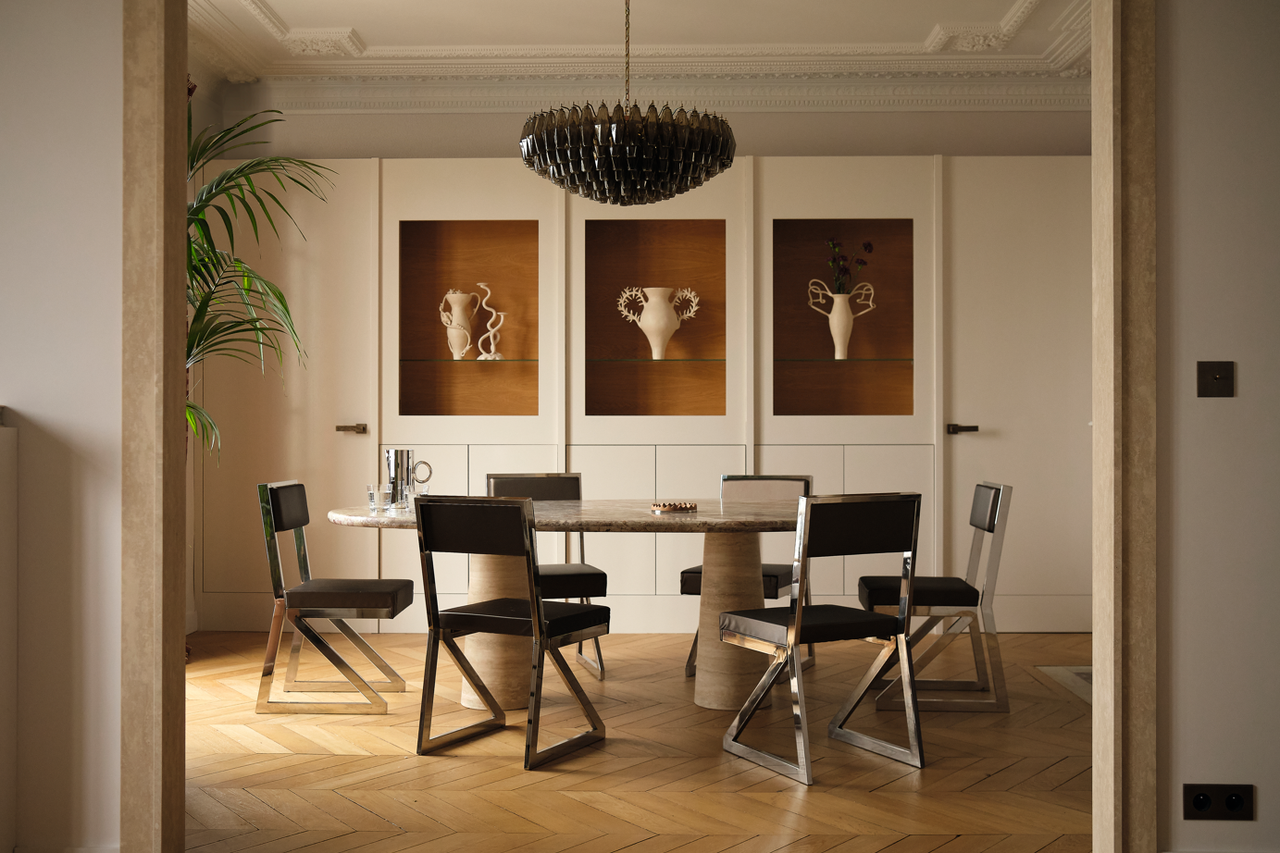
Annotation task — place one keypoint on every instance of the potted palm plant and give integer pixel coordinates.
(234, 311)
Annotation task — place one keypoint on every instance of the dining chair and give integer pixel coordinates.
(829, 526)
(503, 527)
(966, 602)
(579, 580)
(776, 577)
(284, 509)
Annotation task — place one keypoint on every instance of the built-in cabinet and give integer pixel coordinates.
(748, 381)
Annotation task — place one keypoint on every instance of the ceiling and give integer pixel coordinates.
(758, 55)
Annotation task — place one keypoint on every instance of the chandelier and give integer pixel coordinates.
(624, 156)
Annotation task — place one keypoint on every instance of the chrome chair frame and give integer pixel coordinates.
(374, 703)
(785, 661)
(483, 526)
(551, 486)
(805, 482)
(988, 515)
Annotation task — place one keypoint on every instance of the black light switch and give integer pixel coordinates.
(1215, 378)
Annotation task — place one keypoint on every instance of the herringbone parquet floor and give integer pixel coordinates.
(659, 782)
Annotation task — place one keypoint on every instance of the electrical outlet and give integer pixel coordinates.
(1215, 378)
(1217, 802)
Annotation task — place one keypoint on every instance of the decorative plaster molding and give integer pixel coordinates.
(268, 17)
(974, 38)
(418, 95)
(220, 44)
(318, 42)
(334, 70)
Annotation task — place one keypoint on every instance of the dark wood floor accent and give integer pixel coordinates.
(659, 782)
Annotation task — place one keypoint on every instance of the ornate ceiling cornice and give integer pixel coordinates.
(959, 66)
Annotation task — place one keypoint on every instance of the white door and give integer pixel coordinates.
(1016, 344)
(276, 430)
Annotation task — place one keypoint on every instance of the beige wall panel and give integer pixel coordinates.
(728, 198)
(8, 634)
(1218, 464)
(824, 188)
(651, 614)
(465, 189)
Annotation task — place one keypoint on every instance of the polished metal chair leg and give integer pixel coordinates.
(595, 667)
(989, 669)
(393, 683)
(801, 770)
(534, 757)
(269, 664)
(691, 664)
(497, 717)
(913, 753)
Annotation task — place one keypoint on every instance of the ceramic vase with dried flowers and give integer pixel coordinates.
(840, 315)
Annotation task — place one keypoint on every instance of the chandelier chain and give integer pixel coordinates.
(627, 66)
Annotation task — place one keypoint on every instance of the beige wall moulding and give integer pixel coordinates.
(396, 93)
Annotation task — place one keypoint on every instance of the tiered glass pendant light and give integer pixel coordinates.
(624, 156)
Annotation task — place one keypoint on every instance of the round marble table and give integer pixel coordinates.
(730, 581)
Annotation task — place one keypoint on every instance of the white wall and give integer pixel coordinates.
(60, 308)
(1218, 183)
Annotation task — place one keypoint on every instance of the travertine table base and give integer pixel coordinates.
(505, 663)
(730, 581)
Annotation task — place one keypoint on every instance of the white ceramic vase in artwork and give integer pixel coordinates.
(491, 336)
(840, 315)
(658, 317)
(457, 320)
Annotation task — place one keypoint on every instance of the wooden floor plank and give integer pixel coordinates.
(993, 783)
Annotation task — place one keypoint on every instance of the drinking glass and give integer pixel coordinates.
(375, 497)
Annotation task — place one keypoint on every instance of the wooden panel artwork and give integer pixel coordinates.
(439, 256)
(877, 376)
(622, 378)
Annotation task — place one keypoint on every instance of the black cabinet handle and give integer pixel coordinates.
(954, 429)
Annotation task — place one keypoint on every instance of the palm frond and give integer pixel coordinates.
(203, 428)
(235, 312)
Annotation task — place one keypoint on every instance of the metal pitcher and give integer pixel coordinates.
(402, 474)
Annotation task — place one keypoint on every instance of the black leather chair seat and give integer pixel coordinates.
(572, 580)
(510, 616)
(776, 577)
(885, 590)
(386, 594)
(823, 623)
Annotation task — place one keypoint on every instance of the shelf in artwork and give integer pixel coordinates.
(655, 360)
(840, 361)
(646, 387)
(507, 387)
(846, 387)
(465, 360)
